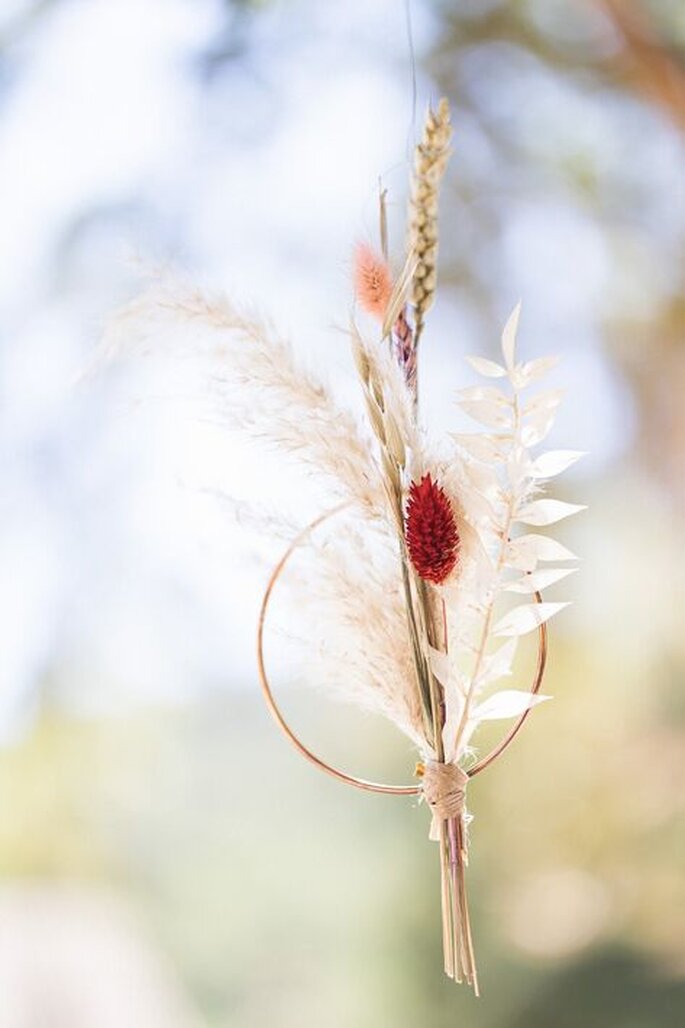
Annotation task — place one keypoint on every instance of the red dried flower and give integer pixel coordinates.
(431, 531)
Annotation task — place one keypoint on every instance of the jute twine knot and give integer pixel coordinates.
(444, 789)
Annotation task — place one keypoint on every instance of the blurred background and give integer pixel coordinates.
(142, 883)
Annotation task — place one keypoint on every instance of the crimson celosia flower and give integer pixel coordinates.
(431, 531)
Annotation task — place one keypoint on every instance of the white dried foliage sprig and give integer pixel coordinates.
(252, 382)
(497, 469)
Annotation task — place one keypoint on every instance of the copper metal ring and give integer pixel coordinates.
(343, 776)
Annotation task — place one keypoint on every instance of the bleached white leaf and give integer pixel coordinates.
(538, 427)
(453, 718)
(490, 393)
(518, 468)
(494, 415)
(484, 480)
(526, 618)
(446, 671)
(552, 463)
(486, 448)
(547, 512)
(465, 740)
(548, 399)
(440, 666)
(498, 664)
(525, 374)
(509, 337)
(538, 580)
(524, 553)
(505, 704)
(488, 368)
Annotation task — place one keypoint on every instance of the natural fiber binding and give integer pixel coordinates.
(444, 789)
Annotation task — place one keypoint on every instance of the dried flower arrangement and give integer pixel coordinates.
(427, 619)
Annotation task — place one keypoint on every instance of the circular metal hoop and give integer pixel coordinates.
(322, 765)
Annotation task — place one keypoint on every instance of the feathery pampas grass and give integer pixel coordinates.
(364, 655)
(419, 600)
(253, 382)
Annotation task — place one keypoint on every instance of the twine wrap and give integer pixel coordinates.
(444, 790)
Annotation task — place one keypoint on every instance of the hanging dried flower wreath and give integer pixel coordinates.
(433, 639)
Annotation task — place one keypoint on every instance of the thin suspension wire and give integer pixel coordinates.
(322, 765)
(412, 65)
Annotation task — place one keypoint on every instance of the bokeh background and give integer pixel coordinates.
(165, 859)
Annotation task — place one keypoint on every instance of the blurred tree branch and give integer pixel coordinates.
(648, 65)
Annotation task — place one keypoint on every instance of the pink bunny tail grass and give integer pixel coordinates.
(372, 281)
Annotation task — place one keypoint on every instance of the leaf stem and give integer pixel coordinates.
(485, 633)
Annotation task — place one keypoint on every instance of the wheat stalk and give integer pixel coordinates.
(430, 162)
